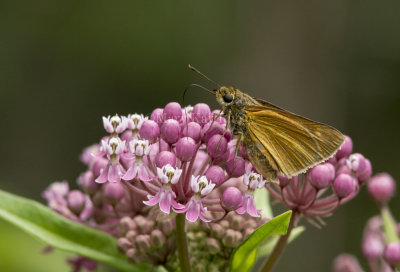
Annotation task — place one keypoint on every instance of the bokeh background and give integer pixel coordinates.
(65, 64)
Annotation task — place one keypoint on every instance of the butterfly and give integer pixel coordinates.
(276, 140)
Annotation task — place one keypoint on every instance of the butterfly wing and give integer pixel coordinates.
(291, 143)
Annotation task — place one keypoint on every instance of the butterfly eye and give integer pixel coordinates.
(228, 98)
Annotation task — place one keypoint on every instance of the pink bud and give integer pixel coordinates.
(243, 153)
(283, 181)
(346, 148)
(216, 175)
(185, 148)
(87, 183)
(235, 169)
(392, 253)
(192, 130)
(366, 173)
(231, 198)
(217, 146)
(344, 185)
(372, 246)
(381, 187)
(346, 263)
(170, 131)
(113, 192)
(157, 116)
(149, 130)
(172, 111)
(322, 175)
(201, 113)
(97, 165)
(208, 131)
(164, 158)
(218, 117)
(76, 201)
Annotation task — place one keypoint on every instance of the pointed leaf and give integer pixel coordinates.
(244, 256)
(63, 234)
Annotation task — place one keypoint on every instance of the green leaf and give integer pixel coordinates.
(261, 196)
(244, 256)
(63, 234)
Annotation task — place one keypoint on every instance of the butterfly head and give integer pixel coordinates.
(225, 96)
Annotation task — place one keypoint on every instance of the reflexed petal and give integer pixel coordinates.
(193, 212)
(144, 173)
(131, 173)
(251, 207)
(107, 124)
(114, 173)
(165, 202)
(103, 175)
(153, 200)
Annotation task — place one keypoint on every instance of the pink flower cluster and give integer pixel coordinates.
(320, 190)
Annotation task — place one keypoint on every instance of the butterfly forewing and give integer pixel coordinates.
(291, 143)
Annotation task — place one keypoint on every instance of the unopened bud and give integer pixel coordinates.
(213, 246)
(123, 244)
(142, 242)
(157, 238)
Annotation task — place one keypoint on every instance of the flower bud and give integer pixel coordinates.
(229, 239)
(201, 114)
(345, 149)
(142, 224)
(131, 235)
(185, 148)
(346, 263)
(322, 175)
(192, 130)
(167, 227)
(133, 255)
(217, 230)
(216, 175)
(123, 244)
(170, 131)
(172, 111)
(217, 146)
(343, 169)
(213, 246)
(149, 130)
(97, 165)
(357, 163)
(218, 118)
(366, 173)
(381, 187)
(208, 131)
(344, 185)
(235, 169)
(125, 224)
(157, 238)
(392, 254)
(237, 222)
(87, 183)
(157, 116)
(113, 192)
(283, 181)
(372, 246)
(247, 232)
(142, 242)
(164, 158)
(76, 201)
(243, 153)
(231, 198)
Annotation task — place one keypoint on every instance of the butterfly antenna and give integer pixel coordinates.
(203, 75)
(194, 85)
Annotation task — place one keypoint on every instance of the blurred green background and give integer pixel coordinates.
(65, 64)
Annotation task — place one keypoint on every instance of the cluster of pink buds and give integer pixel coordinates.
(380, 255)
(320, 190)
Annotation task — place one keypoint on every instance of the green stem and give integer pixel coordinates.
(181, 240)
(280, 245)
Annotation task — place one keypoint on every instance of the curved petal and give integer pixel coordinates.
(131, 173)
(153, 200)
(165, 202)
(193, 212)
(144, 173)
(114, 173)
(251, 207)
(103, 175)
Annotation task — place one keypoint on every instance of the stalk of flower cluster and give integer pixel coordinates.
(280, 245)
(182, 243)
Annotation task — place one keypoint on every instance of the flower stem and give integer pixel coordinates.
(280, 245)
(181, 240)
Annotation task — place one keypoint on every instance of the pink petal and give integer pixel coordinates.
(131, 173)
(143, 173)
(103, 176)
(193, 212)
(153, 200)
(251, 207)
(165, 202)
(114, 173)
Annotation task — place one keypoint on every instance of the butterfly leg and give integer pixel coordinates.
(238, 141)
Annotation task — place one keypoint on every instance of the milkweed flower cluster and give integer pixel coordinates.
(320, 190)
(178, 160)
(380, 253)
